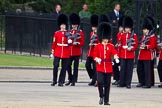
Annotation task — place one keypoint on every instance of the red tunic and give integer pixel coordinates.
(148, 54)
(105, 54)
(119, 42)
(91, 48)
(125, 54)
(60, 45)
(76, 50)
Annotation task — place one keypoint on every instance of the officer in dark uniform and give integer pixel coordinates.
(90, 63)
(60, 50)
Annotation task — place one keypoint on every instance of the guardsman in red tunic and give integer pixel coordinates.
(146, 54)
(102, 55)
(60, 50)
(93, 42)
(116, 71)
(160, 65)
(77, 37)
(129, 44)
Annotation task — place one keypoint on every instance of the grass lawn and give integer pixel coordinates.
(20, 60)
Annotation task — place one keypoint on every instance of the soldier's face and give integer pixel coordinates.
(94, 29)
(74, 26)
(127, 29)
(105, 41)
(145, 31)
(120, 29)
(63, 26)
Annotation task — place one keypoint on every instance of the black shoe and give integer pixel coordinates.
(160, 86)
(61, 85)
(115, 83)
(128, 87)
(68, 83)
(120, 85)
(106, 103)
(91, 83)
(139, 85)
(53, 84)
(72, 84)
(146, 86)
(101, 101)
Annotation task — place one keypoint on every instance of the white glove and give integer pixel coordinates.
(98, 61)
(129, 48)
(51, 56)
(69, 41)
(112, 63)
(117, 60)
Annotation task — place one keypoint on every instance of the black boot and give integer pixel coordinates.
(68, 83)
(54, 83)
(92, 83)
(72, 84)
(101, 101)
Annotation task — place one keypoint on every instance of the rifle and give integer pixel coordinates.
(130, 40)
(93, 39)
(147, 38)
(67, 34)
(77, 35)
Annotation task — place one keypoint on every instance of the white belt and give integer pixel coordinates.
(125, 47)
(62, 44)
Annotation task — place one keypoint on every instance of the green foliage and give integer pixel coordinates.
(4, 5)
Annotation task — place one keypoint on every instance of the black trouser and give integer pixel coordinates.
(104, 80)
(160, 70)
(152, 73)
(73, 77)
(56, 62)
(144, 72)
(91, 68)
(116, 71)
(126, 71)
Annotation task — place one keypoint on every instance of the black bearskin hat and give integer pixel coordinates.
(121, 20)
(104, 18)
(74, 19)
(94, 20)
(128, 22)
(62, 19)
(148, 23)
(104, 31)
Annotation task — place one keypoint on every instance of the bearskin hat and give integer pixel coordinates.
(148, 23)
(104, 18)
(128, 22)
(104, 31)
(94, 20)
(74, 19)
(62, 19)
